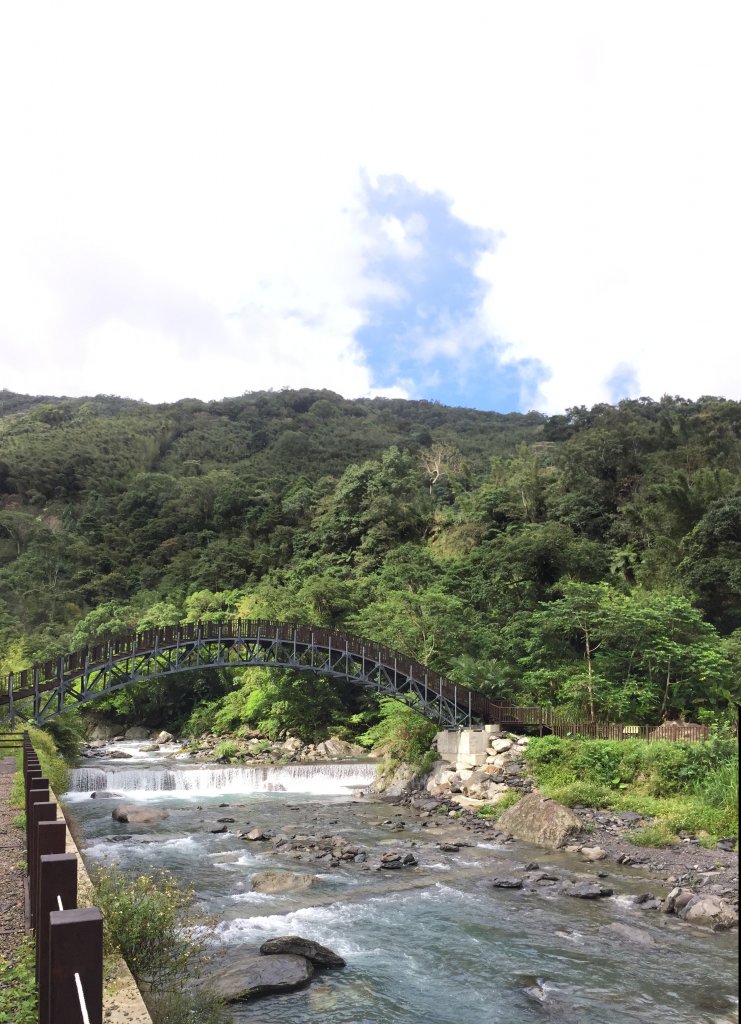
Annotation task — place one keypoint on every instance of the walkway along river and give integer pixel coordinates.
(433, 943)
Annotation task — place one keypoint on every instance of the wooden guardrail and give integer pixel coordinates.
(69, 939)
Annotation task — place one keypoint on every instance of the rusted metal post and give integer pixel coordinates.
(75, 966)
(58, 882)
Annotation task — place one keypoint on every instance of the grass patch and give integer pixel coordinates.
(656, 834)
(494, 811)
(18, 999)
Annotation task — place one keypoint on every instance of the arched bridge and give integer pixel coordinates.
(47, 690)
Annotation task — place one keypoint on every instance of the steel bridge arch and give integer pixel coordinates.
(46, 690)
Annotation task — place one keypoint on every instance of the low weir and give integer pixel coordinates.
(328, 778)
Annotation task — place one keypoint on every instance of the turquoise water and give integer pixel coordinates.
(435, 944)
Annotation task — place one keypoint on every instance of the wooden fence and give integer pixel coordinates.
(69, 939)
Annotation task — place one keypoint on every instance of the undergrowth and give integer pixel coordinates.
(689, 787)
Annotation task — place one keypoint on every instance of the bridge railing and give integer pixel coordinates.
(49, 674)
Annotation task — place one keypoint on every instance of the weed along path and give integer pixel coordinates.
(12, 858)
(435, 921)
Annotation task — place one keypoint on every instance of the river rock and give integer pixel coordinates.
(391, 860)
(281, 881)
(118, 755)
(149, 748)
(320, 956)
(103, 794)
(133, 814)
(255, 975)
(589, 891)
(593, 853)
(255, 835)
(164, 737)
(500, 746)
(535, 819)
(136, 732)
(676, 900)
(709, 912)
(507, 882)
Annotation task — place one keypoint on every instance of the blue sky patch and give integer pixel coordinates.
(424, 331)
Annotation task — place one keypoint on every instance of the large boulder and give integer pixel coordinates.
(320, 956)
(254, 975)
(105, 732)
(136, 732)
(334, 747)
(135, 815)
(536, 819)
(164, 737)
(281, 881)
(709, 912)
(398, 782)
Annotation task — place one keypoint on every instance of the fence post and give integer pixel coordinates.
(46, 812)
(75, 966)
(33, 779)
(57, 881)
(35, 796)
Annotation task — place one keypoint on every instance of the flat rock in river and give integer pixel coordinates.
(281, 881)
(319, 955)
(254, 975)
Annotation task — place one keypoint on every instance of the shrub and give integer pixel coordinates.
(145, 918)
(67, 731)
(402, 734)
(226, 750)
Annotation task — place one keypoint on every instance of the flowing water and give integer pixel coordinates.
(434, 944)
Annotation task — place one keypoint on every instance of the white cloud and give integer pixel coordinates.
(179, 201)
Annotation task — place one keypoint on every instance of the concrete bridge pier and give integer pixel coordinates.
(467, 748)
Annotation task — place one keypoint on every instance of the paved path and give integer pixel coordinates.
(12, 855)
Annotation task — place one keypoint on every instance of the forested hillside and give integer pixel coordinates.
(589, 561)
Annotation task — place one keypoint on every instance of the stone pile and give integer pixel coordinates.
(486, 776)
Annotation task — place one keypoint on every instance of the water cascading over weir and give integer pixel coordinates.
(299, 778)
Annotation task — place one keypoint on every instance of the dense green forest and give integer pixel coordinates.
(588, 561)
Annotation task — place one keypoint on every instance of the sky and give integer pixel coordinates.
(501, 205)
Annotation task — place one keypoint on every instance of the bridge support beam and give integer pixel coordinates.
(467, 748)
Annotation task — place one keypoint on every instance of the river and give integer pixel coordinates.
(434, 943)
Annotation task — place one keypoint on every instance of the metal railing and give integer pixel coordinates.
(69, 939)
